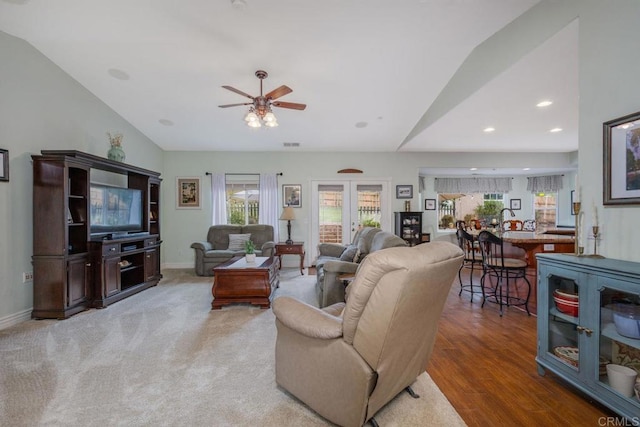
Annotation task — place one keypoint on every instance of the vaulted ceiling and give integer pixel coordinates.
(376, 75)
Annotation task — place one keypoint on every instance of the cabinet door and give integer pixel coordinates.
(151, 266)
(111, 280)
(565, 326)
(618, 334)
(77, 281)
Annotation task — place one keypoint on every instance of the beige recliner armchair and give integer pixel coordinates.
(348, 360)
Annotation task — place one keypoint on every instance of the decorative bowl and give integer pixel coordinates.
(568, 354)
(566, 303)
(626, 317)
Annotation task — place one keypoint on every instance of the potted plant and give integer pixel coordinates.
(250, 252)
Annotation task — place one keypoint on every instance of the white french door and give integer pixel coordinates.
(340, 208)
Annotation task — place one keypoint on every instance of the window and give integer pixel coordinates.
(465, 207)
(243, 198)
(545, 209)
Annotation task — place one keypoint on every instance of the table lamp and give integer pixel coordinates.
(288, 215)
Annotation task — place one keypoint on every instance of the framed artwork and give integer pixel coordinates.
(429, 204)
(292, 195)
(515, 204)
(573, 211)
(188, 192)
(404, 191)
(4, 165)
(621, 167)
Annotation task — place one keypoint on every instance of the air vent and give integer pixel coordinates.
(291, 144)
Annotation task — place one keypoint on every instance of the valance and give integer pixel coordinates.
(472, 185)
(542, 184)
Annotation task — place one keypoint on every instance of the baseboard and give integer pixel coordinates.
(177, 265)
(15, 318)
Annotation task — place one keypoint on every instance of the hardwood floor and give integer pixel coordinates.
(485, 365)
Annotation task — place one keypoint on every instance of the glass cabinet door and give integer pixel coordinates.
(563, 320)
(619, 342)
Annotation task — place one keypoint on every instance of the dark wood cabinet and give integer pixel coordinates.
(72, 273)
(408, 225)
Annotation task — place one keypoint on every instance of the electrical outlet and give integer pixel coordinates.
(27, 276)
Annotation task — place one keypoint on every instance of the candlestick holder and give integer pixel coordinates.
(578, 250)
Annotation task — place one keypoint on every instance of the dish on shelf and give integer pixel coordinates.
(568, 354)
(626, 317)
(566, 303)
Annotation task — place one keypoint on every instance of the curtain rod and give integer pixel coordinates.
(252, 173)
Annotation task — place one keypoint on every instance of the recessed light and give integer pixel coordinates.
(361, 125)
(118, 74)
(526, 169)
(489, 129)
(554, 130)
(291, 144)
(545, 103)
(473, 169)
(165, 122)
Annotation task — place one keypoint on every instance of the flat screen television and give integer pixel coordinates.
(115, 210)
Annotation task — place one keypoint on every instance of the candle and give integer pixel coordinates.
(577, 195)
(595, 215)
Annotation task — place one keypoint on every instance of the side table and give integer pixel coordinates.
(295, 248)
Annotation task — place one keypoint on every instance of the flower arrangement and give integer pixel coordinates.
(249, 247)
(115, 140)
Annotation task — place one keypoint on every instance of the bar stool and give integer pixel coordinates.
(472, 256)
(503, 270)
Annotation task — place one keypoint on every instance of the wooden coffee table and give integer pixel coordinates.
(235, 281)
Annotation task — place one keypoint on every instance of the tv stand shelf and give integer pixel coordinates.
(113, 281)
(73, 270)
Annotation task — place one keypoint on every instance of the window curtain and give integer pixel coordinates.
(544, 184)
(218, 199)
(269, 208)
(472, 185)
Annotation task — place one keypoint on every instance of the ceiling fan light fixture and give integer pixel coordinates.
(269, 117)
(271, 124)
(254, 124)
(251, 117)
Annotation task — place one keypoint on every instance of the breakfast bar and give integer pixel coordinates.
(533, 243)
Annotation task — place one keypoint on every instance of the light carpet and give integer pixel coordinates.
(164, 358)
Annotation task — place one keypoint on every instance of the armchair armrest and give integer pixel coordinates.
(306, 319)
(331, 249)
(340, 267)
(203, 246)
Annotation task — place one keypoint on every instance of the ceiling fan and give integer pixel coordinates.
(260, 109)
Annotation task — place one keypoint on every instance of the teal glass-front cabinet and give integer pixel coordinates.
(578, 298)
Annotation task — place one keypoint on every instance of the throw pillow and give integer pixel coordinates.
(349, 254)
(236, 241)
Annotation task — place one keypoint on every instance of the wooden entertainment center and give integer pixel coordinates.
(71, 270)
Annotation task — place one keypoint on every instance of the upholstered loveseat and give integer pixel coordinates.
(335, 260)
(217, 249)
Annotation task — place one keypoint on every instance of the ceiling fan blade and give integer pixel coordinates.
(235, 105)
(278, 92)
(239, 92)
(292, 105)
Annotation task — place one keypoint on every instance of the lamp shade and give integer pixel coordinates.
(288, 214)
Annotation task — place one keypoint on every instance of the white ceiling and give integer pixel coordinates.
(376, 62)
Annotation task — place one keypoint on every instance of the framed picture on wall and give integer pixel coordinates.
(292, 195)
(188, 192)
(429, 204)
(4, 165)
(621, 167)
(515, 204)
(404, 191)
